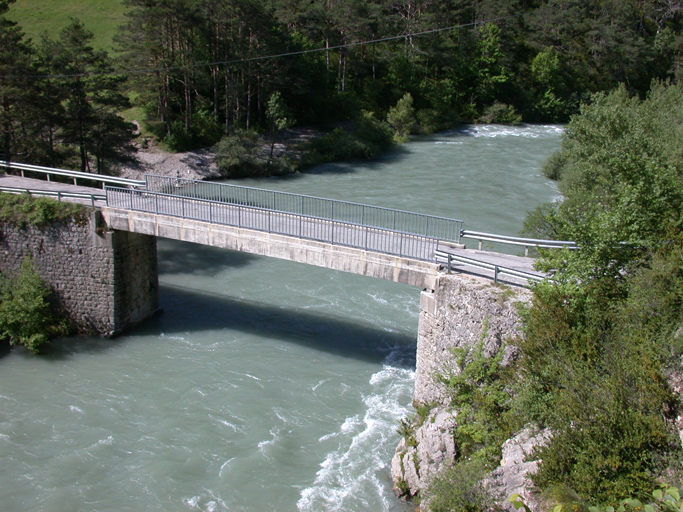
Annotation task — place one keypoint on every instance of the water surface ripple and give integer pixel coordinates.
(265, 385)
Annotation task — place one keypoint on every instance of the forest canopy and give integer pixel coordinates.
(200, 69)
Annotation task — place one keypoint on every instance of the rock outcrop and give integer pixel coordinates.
(462, 312)
(512, 476)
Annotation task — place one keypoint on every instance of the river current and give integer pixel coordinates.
(265, 385)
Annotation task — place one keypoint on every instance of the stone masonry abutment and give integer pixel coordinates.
(104, 281)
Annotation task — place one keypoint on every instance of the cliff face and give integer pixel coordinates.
(463, 311)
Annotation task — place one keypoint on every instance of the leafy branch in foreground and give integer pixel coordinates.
(664, 499)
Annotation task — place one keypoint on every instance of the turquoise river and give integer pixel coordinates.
(265, 385)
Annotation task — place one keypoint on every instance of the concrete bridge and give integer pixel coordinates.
(384, 243)
(367, 240)
(395, 245)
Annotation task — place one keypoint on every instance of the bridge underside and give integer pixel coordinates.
(418, 273)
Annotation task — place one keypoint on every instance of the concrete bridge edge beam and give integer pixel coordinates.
(348, 259)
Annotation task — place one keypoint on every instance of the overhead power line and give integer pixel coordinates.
(143, 71)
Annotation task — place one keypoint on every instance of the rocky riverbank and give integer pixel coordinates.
(466, 311)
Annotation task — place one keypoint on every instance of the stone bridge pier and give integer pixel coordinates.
(105, 281)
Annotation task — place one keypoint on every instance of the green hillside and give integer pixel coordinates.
(102, 17)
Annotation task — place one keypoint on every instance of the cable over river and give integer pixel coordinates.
(266, 384)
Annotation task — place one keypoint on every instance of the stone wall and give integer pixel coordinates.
(462, 311)
(104, 281)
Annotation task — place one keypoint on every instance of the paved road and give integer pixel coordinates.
(509, 261)
(51, 186)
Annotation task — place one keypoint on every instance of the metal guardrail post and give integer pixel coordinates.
(495, 274)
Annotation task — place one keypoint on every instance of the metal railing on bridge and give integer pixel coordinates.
(449, 259)
(74, 175)
(91, 199)
(527, 243)
(371, 228)
(399, 221)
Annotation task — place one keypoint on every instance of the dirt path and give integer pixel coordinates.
(196, 165)
(199, 164)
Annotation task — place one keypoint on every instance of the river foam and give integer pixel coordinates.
(357, 472)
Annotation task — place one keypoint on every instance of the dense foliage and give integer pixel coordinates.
(59, 100)
(492, 59)
(602, 339)
(26, 317)
(201, 69)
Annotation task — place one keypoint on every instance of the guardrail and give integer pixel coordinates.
(75, 175)
(448, 259)
(314, 207)
(53, 193)
(369, 238)
(527, 243)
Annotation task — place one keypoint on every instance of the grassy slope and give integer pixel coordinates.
(102, 17)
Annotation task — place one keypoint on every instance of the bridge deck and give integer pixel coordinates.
(508, 261)
(321, 234)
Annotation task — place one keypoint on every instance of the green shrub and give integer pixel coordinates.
(554, 165)
(25, 314)
(599, 386)
(459, 489)
(478, 391)
(430, 120)
(22, 209)
(500, 113)
(237, 154)
(338, 145)
(203, 131)
(402, 118)
(375, 134)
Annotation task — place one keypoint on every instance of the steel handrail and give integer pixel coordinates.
(72, 174)
(421, 244)
(55, 193)
(515, 240)
(166, 183)
(448, 258)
